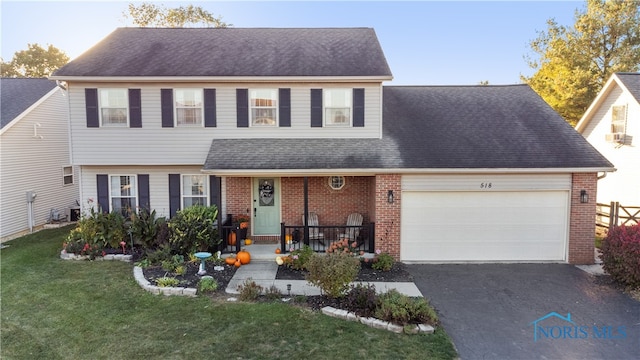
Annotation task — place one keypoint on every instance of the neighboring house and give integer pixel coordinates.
(260, 121)
(34, 156)
(612, 125)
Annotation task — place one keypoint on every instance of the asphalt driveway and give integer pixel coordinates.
(531, 311)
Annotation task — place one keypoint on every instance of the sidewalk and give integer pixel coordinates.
(263, 269)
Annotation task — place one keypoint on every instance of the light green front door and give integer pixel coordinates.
(266, 206)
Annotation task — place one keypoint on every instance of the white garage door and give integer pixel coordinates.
(489, 225)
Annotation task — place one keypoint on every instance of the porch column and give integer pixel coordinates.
(387, 217)
(306, 210)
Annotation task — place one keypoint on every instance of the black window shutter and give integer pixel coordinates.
(144, 200)
(209, 107)
(174, 194)
(214, 191)
(284, 111)
(358, 107)
(102, 181)
(91, 105)
(135, 109)
(242, 107)
(166, 98)
(316, 107)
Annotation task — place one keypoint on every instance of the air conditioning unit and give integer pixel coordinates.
(615, 137)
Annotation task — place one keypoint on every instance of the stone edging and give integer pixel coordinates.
(377, 323)
(157, 290)
(109, 257)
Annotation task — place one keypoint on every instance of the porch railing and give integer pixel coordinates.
(292, 237)
(228, 231)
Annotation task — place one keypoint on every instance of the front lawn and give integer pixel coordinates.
(56, 309)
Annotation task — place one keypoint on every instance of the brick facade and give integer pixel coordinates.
(387, 215)
(582, 219)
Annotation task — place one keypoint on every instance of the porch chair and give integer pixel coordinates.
(314, 232)
(352, 233)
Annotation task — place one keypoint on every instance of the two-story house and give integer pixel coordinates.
(612, 125)
(277, 123)
(37, 182)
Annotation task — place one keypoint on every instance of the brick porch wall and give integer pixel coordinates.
(387, 216)
(582, 219)
(238, 193)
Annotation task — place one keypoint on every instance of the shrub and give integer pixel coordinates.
(332, 272)
(362, 300)
(401, 309)
(621, 254)
(249, 290)
(273, 293)
(145, 227)
(100, 229)
(207, 285)
(193, 229)
(383, 262)
(172, 264)
(167, 282)
(299, 258)
(343, 246)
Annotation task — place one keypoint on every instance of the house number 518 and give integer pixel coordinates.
(485, 185)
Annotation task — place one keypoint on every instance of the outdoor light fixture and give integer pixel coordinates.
(289, 289)
(584, 197)
(390, 196)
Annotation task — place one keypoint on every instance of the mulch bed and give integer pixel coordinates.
(191, 278)
(398, 273)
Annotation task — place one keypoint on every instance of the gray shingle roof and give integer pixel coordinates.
(233, 52)
(432, 127)
(17, 94)
(632, 82)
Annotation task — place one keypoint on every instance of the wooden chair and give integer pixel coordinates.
(352, 233)
(314, 232)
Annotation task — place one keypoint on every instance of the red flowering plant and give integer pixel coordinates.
(345, 247)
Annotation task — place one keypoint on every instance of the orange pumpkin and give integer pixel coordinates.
(232, 238)
(238, 263)
(244, 225)
(277, 250)
(243, 256)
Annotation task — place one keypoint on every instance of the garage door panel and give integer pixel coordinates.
(484, 226)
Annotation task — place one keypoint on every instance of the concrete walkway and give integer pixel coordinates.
(263, 269)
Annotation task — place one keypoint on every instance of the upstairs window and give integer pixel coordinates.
(188, 107)
(194, 190)
(337, 107)
(264, 107)
(67, 175)
(123, 193)
(114, 107)
(618, 119)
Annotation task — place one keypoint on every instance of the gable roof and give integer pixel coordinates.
(232, 52)
(431, 128)
(629, 82)
(18, 94)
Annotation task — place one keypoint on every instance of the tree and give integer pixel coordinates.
(35, 62)
(574, 62)
(152, 15)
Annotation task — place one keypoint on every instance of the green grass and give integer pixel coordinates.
(56, 309)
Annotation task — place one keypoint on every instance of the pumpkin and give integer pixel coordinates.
(248, 242)
(244, 225)
(232, 238)
(238, 263)
(230, 260)
(279, 260)
(243, 256)
(278, 250)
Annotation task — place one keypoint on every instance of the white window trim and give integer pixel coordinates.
(276, 107)
(344, 181)
(126, 97)
(623, 122)
(325, 107)
(183, 195)
(175, 108)
(65, 175)
(111, 197)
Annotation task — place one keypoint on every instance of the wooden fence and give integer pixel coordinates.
(614, 214)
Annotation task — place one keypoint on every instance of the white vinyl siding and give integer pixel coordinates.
(158, 182)
(154, 145)
(34, 164)
(621, 185)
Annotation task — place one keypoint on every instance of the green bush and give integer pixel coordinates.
(332, 272)
(621, 254)
(172, 264)
(401, 309)
(167, 282)
(383, 262)
(144, 228)
(97, 228)
(362, 300)
(207, 285)
(193, 229)
(299, 258)
(249, 290)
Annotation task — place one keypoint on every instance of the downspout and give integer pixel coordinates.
(604, 175)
